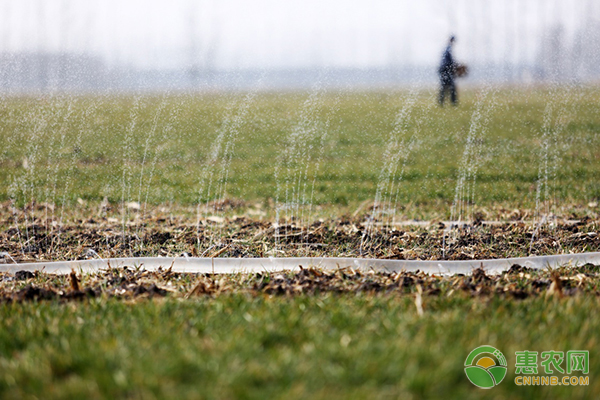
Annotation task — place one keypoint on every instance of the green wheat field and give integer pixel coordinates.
(502, 154)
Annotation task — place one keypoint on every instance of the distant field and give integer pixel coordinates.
(326, 148)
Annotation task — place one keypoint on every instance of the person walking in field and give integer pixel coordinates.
(447, 73)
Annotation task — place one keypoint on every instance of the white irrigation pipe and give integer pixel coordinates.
(271, 264)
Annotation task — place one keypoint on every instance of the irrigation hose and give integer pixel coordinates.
(272, 264)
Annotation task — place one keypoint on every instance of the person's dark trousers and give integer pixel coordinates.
(448, 86)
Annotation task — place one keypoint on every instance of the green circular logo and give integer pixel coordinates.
(485, 367)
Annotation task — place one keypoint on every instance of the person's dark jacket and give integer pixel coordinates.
(447, 66)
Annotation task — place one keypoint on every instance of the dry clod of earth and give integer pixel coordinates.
(154, 234)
